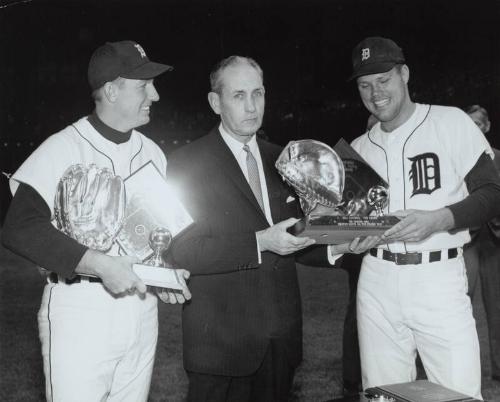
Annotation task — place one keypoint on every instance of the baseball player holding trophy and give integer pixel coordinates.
(412, 291)
(98, 320)
(441, 180)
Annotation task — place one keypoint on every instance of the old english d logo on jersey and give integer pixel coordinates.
(424, 173)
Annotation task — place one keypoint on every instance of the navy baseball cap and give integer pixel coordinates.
(375, 55)
(126, 59)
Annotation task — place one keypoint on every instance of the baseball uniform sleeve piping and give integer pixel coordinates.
(28, 232)
(483, 201)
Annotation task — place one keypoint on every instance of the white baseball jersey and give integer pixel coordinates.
(425, 161)
(424, 307)
(95, 346)
(81, 143)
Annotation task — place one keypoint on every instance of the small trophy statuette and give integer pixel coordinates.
(159, 241)
(377, 197)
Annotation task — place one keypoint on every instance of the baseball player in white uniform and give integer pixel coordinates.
(97, 321)
(412, 291)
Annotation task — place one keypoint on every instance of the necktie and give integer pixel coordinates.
(253, 176)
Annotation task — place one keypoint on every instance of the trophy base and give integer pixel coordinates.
(340, 229)
(158, 276)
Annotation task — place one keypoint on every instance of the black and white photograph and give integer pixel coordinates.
(305, 271)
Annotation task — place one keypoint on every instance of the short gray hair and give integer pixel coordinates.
(216, 74)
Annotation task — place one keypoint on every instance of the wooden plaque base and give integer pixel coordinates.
(341, 229)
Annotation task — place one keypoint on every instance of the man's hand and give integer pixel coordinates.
(173, 296)
(116, 272)
(417, 225)
(356, 246)
(279, 241)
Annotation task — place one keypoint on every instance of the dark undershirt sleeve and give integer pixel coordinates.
(483, 202)
(27, 231)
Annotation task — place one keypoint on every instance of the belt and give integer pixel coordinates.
(54, 278)
(414, 258)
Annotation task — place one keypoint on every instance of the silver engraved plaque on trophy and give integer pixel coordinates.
(341, 196)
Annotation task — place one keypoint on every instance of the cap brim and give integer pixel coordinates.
(147, 71)
(375, 68)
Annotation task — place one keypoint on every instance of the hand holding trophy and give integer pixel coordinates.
(153, 216)
(170, 283)
(89, 207)
(95, 207)
(338, 192)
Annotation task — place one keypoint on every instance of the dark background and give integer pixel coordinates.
(304, 48)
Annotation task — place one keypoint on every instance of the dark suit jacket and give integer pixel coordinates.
(238, 305)
(490, 233)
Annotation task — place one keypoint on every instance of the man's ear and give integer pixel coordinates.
(110, 91)
(405, 73)
(214, 101)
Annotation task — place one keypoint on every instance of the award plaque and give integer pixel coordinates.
(341, 196)
(150, 203)
(337, 229)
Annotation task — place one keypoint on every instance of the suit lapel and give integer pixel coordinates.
(229, 165)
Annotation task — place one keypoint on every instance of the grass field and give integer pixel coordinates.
(324, 295)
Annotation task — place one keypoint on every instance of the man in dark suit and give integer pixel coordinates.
(242, 331)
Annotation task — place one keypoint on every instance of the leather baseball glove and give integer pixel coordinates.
(90, 205)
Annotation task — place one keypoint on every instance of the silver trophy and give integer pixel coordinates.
(89, 205)
(159, 241)
(337, 189)
(378, 197)
(315, 171)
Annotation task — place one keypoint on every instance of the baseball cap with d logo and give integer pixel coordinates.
(126, 59)
(375, 55)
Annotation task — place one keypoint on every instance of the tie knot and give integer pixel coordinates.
(246, 148)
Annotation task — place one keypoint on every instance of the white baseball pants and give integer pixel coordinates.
(424, 307)
(96, 347)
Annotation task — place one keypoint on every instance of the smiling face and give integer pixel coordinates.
(133, 102)
(386, 97)
(240, 101)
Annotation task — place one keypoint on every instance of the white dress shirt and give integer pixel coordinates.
(240, 154)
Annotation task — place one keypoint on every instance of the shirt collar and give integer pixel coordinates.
(115, 136)
(236, 146)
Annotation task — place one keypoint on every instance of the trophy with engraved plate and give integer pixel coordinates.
(140, 213)
(341, 196)
(153, 216)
